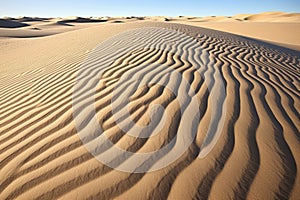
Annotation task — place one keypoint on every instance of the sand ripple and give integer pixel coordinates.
(148, 89)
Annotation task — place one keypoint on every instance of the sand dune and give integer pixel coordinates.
(274, 17)
(6, 23)
(80, 20)
(274, 27)
(261, 17)
(42, 154)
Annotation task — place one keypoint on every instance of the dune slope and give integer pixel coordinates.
(256, 157)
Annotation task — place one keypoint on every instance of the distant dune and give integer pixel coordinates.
(279, 28)
(257, 155)
(6, 23)
(274, 17)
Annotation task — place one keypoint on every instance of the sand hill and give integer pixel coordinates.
(254, 108)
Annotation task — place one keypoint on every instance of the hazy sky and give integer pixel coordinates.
(86, 8)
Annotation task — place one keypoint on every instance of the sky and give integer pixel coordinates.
(87, 8)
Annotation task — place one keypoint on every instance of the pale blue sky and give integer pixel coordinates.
(86, 8)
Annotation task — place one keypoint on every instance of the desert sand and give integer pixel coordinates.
(255, 57)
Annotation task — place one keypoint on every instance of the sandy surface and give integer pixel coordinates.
(255, 150)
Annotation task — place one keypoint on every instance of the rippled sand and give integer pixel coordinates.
(42, 153)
